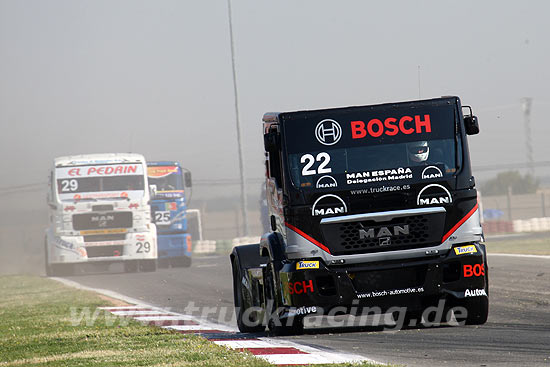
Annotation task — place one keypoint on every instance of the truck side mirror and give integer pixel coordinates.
(270, 141)
(471, 124)
(152, 190)
(187, 179)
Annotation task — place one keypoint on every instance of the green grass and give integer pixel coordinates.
(535, 246)
(36, 329)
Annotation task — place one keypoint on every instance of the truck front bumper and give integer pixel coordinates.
(174, 245)
(73, 249)
(415, 284)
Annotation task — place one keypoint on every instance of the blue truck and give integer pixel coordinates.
(168, 181)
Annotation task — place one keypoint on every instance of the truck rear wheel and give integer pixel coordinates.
(246, 321)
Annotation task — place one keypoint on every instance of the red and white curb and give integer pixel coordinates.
(276, 351)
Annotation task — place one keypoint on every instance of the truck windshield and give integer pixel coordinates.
(370, 165)
(100, 181)
(371, 147)
(167, 179)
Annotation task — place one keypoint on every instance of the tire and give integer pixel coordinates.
(290, 326)
(47, 266)
(478, 310)
(131, 266)
(245, 326)
(478, 307)
(148, 266)
(62, 270)
(412, 320)
(181, 262)
(164, 263)
(287, 326)
(185, 261)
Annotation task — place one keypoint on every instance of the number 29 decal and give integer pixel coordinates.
(309, 160)
(143, 247)
(69, 185)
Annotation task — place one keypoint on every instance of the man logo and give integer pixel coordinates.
(328, 132)
(434, 194)
(326, 182)
(431, 172)
(383, 232)
(332, 205)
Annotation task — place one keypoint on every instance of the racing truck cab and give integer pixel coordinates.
(169, 207)
(99, 214)
(369, 206)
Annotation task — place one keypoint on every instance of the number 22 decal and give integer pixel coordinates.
(309, 160)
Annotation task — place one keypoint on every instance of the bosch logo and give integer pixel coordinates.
(305, 286)
(476, 270)
(328, 132)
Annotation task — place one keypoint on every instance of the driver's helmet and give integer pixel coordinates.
(418, 151)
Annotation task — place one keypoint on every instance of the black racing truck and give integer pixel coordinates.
(369, 206)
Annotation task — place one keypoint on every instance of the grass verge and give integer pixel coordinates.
(39, 327)
(527, 246)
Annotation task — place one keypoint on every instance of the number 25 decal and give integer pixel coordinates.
(309, 160)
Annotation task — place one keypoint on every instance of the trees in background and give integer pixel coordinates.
(520, 184)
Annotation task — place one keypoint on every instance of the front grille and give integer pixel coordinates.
(368, 236)
(105, 237)
(102, 220)
(102, 208)
(104, 251)
(368, 281)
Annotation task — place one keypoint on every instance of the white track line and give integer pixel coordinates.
(105, 292)
(522, 255)
(163, 318)
(303, 354)
(237, 344)
(142, 313)
(188, 328)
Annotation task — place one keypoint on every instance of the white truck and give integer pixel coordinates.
(99, 213)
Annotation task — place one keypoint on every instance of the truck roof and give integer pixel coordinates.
(98, 158)
(162, 163)
(274, 116)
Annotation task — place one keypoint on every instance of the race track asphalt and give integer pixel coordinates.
(516, 334)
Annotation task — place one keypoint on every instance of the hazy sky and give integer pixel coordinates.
(154, 77)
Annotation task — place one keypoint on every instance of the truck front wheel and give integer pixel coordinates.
(148, 266)
(48, 267)
(246, 321)
(131, 266)
(181, 262)
(286, 326)
(477, 309)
